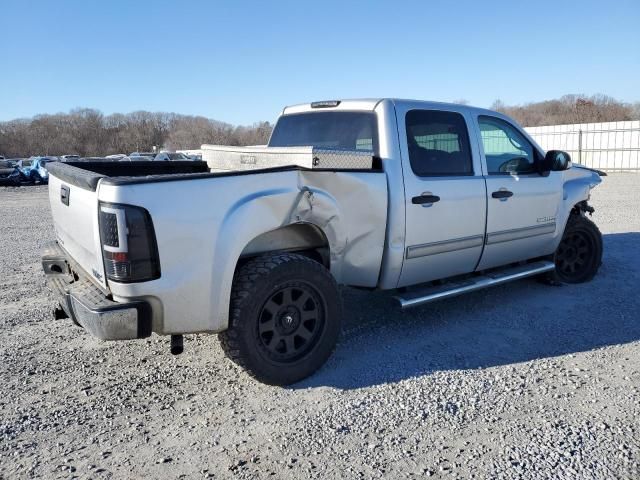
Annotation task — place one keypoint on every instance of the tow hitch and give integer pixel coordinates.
(176, 344)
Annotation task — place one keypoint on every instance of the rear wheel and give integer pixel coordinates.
(579, 255)
(284, 318)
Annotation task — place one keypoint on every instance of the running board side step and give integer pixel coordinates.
(452, 289)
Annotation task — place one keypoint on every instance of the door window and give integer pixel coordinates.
(506, 150)
(438, 143)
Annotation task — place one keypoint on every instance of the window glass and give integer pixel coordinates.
(506, 150)
(341, 130)
(438, 143)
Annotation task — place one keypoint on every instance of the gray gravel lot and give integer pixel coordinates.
(520, 381)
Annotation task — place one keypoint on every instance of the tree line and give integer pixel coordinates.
(87, 132)
(570, 109)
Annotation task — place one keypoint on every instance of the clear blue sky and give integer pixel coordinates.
(242, 61)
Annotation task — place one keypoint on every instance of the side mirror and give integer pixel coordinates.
(556, 160)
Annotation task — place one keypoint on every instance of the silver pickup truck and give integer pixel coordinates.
(430, 200)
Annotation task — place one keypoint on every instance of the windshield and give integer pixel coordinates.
(341, 130)
(175, 156)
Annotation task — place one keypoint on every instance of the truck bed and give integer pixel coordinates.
(204, 222)
(86, 175)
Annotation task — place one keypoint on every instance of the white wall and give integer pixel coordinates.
(606, 146)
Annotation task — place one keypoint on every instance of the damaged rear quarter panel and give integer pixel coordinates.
(349, 207)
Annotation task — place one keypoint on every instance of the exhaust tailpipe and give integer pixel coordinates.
(177, 346)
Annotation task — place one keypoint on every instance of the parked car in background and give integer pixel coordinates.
(117, 156)
(69, 158)
(10, 173)
(36, 171)
(136, 158)
(143, 154)
(169, 156)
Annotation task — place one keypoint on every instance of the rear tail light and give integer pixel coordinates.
(129, 246)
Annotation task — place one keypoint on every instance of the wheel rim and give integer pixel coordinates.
(574, 255)
(291, 322)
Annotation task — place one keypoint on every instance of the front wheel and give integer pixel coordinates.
(579, 255)
(284, 318)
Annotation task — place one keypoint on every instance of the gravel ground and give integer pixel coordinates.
(519, 381)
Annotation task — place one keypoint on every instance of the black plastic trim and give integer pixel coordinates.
(78, 177)
(201, 176)
(502, 194)
(86, 175)
(422, 199)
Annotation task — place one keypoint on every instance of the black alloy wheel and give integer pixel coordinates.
(284, 317)
(291, 321)
(579, 254)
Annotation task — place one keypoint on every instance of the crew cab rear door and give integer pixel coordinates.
(445, 194)
(522, 203)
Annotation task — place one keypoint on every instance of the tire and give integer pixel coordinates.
(579, 254)
(284, 319)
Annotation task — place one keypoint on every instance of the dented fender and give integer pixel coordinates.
(348, 207)
(578, 182)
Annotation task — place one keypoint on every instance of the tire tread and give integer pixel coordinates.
(245, 279)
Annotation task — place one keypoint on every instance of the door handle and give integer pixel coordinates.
(64, 194)
(425, 198)
(502, 194)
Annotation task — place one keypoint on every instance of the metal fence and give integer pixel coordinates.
(610, 146)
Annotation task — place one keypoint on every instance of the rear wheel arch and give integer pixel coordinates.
(302, 238)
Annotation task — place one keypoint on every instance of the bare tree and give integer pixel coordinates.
(568, 109)
(87, 132)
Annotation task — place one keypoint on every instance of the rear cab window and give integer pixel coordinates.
(341, 130)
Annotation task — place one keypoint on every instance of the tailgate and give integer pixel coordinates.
(75, 218)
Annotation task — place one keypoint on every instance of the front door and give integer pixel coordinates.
(445, 195)
(522, 203)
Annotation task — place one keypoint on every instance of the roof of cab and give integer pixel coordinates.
(369, 104)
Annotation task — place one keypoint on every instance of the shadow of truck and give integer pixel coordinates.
(512, 323)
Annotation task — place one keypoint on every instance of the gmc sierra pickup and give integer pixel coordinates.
(428, 199)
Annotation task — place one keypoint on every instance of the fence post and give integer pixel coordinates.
(580, 146)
